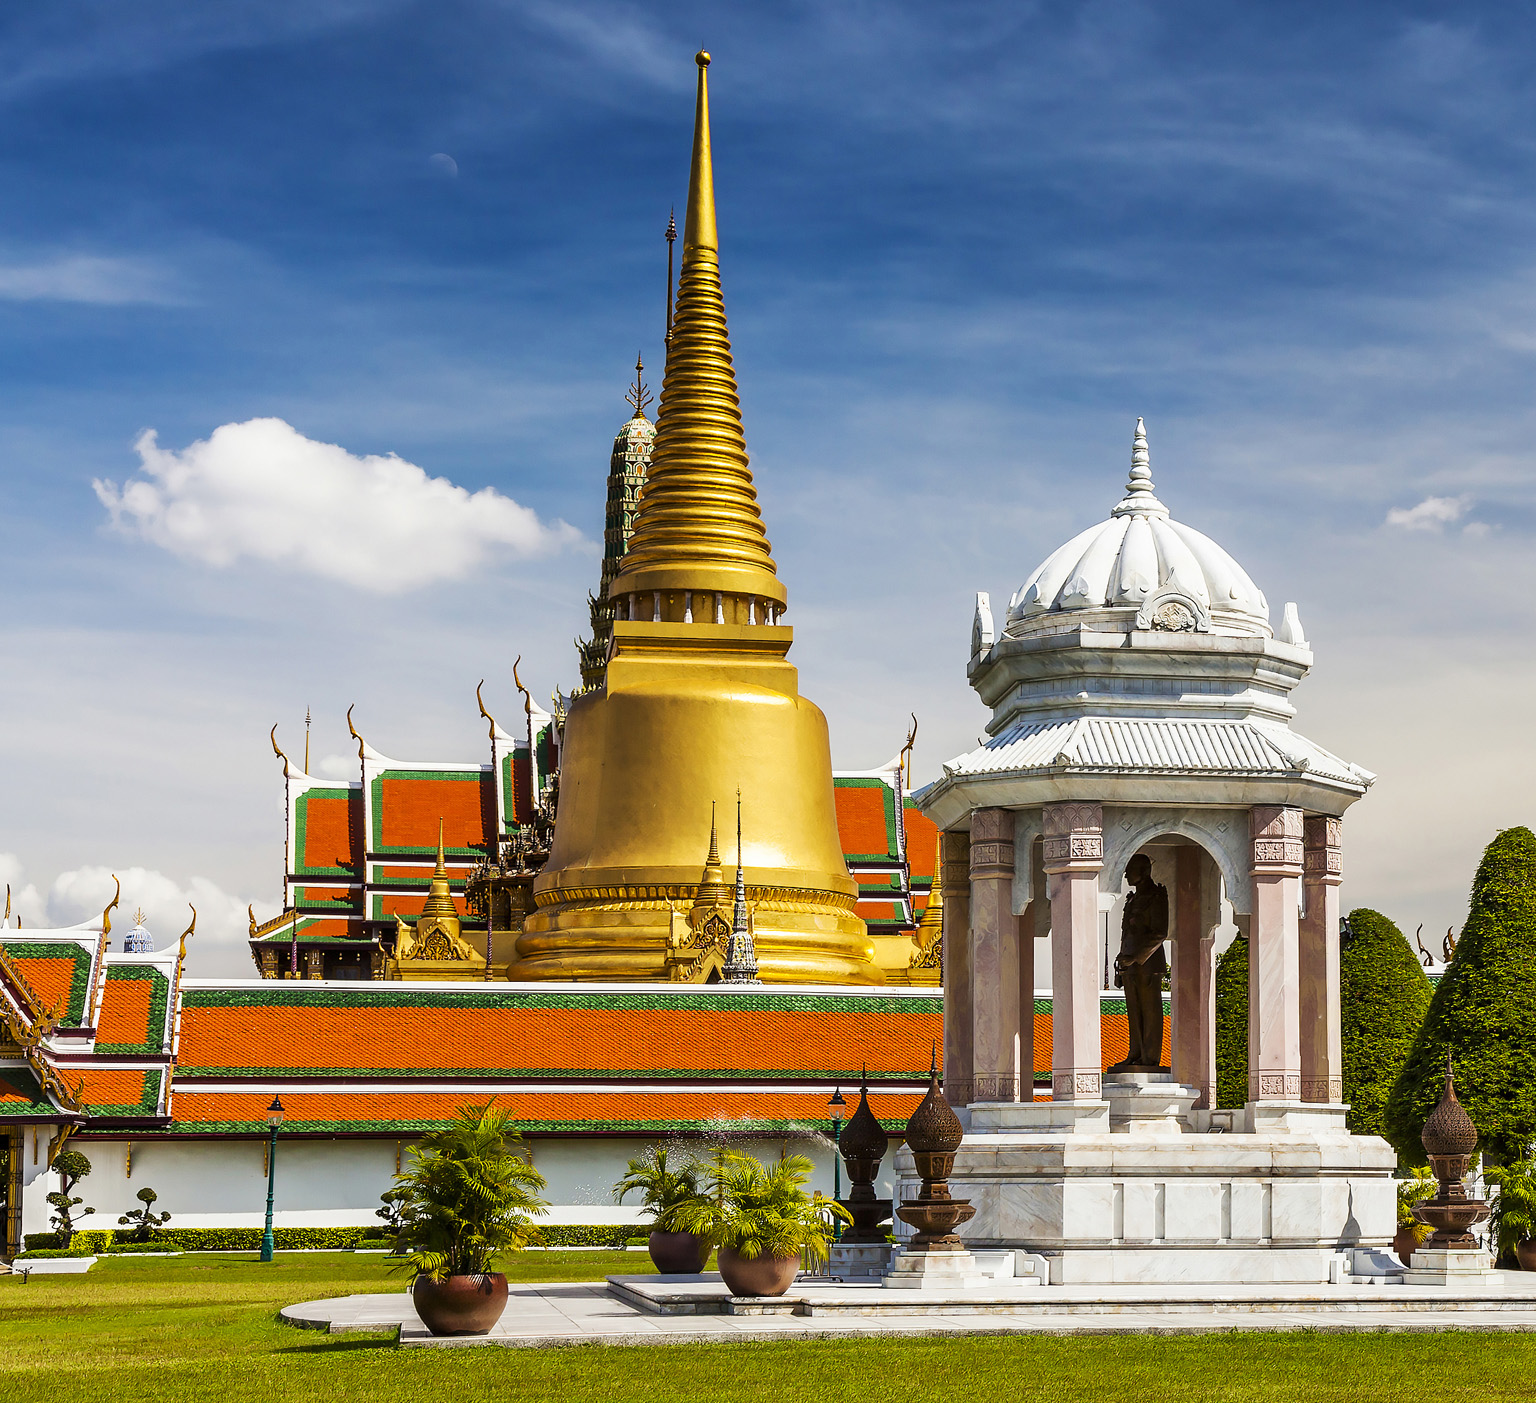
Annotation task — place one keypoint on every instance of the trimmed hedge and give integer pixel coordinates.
(292, 1239)
(1484, 1012)
(1384, 994)
(1232, 1025)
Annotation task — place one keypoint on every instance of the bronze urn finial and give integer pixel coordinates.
(933, 1135)
(863, 1144)
(1449, 1137)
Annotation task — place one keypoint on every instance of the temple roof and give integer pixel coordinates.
(1140, 556)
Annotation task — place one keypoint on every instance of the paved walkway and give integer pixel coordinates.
(590, 1312)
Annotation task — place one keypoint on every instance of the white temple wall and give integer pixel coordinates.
(336, 1183)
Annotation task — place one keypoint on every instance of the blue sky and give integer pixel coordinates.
(964, 246)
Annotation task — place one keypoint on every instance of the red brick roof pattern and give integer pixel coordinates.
(642, 1112)
(922, 845)
(124, 1018)
(409, 807)
(318, 1038)
(332, 831)
(863, 821)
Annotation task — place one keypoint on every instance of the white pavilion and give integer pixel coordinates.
(1140, 704)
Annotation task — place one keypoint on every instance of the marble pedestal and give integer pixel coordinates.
(859, 1261)
(914, 1270)
(1454, 1266)
(1153, 1202)
(1150, 1103)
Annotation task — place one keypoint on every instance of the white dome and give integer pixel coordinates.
(1142, 569)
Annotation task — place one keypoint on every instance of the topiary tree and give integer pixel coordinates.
(145, 1223)
(1232, 1025)
(71, 1166)
(1384, 993)
(1483, 1013)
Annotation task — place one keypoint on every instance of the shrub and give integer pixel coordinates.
(470, 1196)
(129, 1248)
(45, 1254)
(1232, 1025)
(666, 1188)
(71, 1167)
(1384, 993)
(759, 1211)
(1514, 1214)
(90, 1243)
(1412, 1191)
(144, 1221)
(1483, 1013)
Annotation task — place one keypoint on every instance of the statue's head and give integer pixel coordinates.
(1138, 870)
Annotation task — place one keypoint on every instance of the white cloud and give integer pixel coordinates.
(218, 947)
(1430, 514)
(112, 282)
(263, 491)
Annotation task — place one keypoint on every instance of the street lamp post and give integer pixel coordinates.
(274, 1124)
(836, 1105)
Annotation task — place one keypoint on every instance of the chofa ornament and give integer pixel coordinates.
(1449, 1137)
(933, 1135)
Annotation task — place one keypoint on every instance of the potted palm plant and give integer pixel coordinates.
(469, 1199)
(667, 1187)
(1418, 1186)
(761, 1221)
(1514, 1214)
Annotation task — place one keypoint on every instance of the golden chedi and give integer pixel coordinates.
(699, 702)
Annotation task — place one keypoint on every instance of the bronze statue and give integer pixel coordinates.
(1141, 965)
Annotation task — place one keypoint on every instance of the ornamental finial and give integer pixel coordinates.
(1141, 462)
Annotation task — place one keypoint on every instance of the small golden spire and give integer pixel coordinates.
(439, 900)
(306, 740)
(713, 860)
(442, 867)
(698, 527)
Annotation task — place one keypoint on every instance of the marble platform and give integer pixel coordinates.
(1137, 1188)
(666, 1310)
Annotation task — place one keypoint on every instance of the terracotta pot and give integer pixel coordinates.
(761, 1276)
(678, 1253)
(460, 1305)
(1403, 1244)
(1525, 1254)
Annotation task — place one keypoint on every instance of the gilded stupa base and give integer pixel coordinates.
(641, 933)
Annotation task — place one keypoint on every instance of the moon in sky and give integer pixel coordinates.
(444, 164)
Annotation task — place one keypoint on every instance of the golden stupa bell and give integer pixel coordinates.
(700, 701)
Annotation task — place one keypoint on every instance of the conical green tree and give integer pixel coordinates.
(1384, 993)
(1232, 1025)
(1483, 1013)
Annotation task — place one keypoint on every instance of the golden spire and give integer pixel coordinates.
(711, 888)
(439, 901)
(699, 528)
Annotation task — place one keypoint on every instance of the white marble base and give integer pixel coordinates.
(1128, 1206)
(918, 1270)
(1459, 1266)
(859, 1261)
(54, 1266)
(1305, 1117)
(1058, 1117)
(1149, 1103)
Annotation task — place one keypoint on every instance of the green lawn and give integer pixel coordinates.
(204, 1327)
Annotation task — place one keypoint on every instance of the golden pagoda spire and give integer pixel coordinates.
(439, 901)
(699, 530)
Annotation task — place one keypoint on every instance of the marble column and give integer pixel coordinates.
(1074, 854)
(1322, 1066)
(1192, 978)
(994, 959)
(1274, 1008)
(955, 854)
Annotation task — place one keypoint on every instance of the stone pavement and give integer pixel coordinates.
(590, 1312)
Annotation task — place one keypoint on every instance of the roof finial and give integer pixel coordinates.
(671, 282)
(306, 740)
(713, 860)
(740, 951)
(1141, 462)
(1139, 498)
(638, 395)
(442, 867)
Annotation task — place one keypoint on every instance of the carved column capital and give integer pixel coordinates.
(1276, 833)
(955, 854)
(1074, 837)
(1324, 850)
(991, 852)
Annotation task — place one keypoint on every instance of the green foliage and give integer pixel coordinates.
(470, 1196)
(322, 1239)
(1412, 1191)
(134, 1248)
(667, 1188)
(1514, 1213)
(756, 1210)
(90, 1243)
(1232, 1025)
(1484, 1013)
(393, 1211)
(1383, 993)
(144, 1221)
(71, 1167)
(47, 1254)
